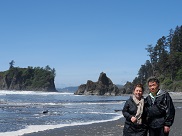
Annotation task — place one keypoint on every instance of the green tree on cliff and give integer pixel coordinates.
(11, 64)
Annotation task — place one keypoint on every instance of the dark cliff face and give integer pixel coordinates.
(103, 86)
(27, 80)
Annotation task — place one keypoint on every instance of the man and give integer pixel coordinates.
(160, 109)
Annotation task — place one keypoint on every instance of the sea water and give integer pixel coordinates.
(28, 111)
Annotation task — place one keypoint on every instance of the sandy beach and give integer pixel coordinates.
(112, 128)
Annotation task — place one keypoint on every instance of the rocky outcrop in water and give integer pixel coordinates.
(104, 86)
(28, 79)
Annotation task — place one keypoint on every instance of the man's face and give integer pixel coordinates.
(153, 87)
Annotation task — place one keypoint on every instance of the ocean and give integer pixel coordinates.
(28, 111)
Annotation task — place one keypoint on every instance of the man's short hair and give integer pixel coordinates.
(153, 79)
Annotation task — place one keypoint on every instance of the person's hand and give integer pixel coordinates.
(133, 119)
(166, 129)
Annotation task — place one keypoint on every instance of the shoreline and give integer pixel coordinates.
(34, 129)
(112, 128)
(106, 128)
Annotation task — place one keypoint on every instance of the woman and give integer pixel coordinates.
(133, 111)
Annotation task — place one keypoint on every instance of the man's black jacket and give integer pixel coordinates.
(160, 110)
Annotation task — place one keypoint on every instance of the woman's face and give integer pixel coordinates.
(138, 92)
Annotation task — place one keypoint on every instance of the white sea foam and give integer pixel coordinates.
(37, 128)
(99, 113)
(4, 92)
(54, 100)
(93, 103)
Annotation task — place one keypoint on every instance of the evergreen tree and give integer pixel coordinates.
(153, 58)
(11, 64)
(165, 61)
(162, 55)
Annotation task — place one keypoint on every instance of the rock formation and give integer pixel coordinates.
(27, 79)
(104, 86)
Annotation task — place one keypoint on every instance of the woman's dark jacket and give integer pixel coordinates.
(129, 110)
(160, 112)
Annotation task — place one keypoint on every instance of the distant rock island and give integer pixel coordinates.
(28, 79)
(104, 86)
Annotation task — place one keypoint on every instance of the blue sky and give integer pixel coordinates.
(82, 38)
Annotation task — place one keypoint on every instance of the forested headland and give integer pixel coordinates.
(165, 62)
(28, 79)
